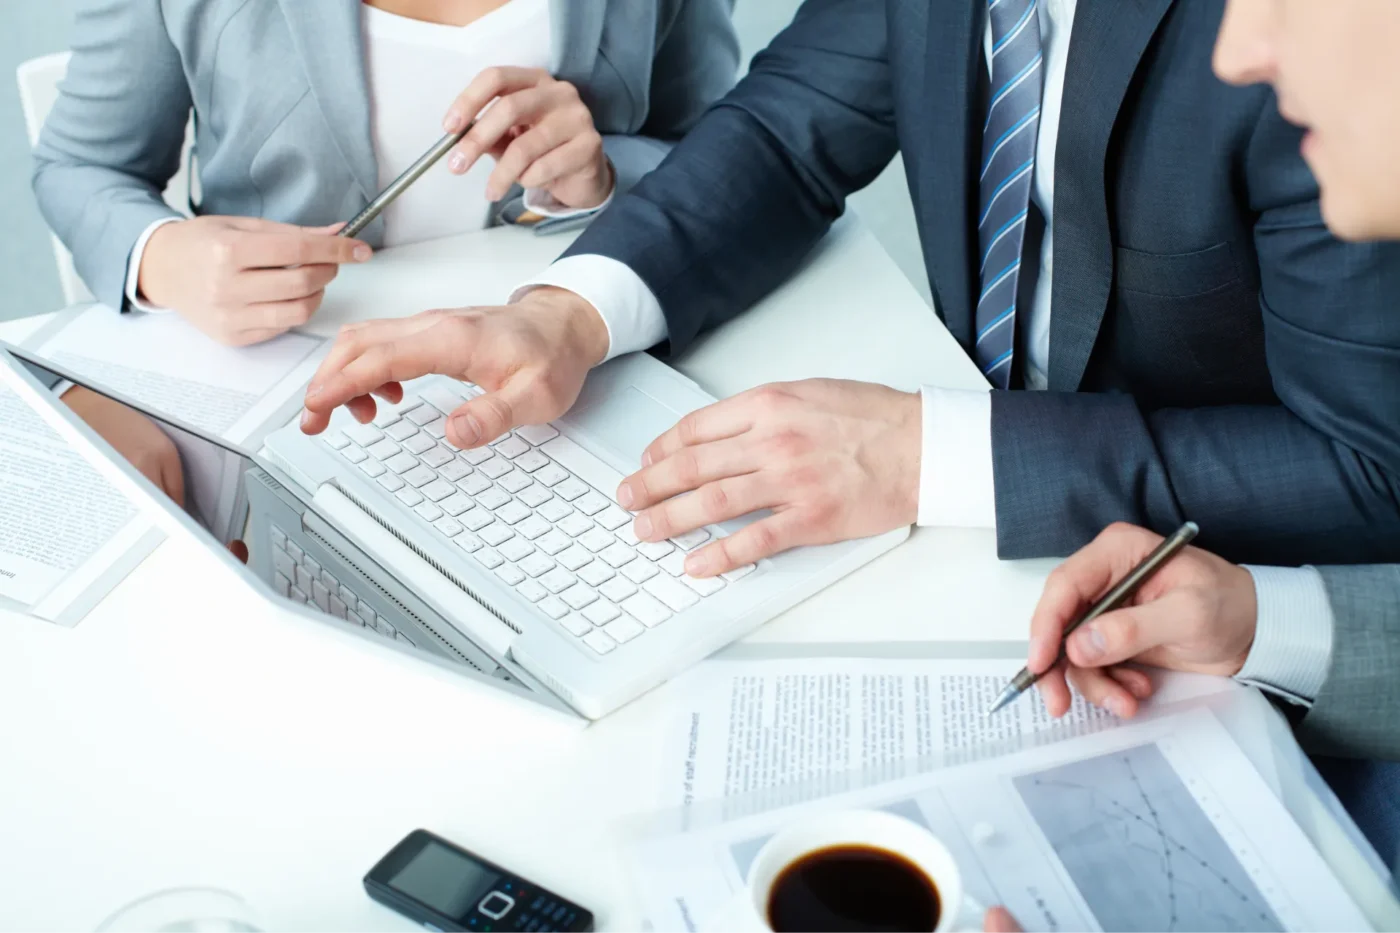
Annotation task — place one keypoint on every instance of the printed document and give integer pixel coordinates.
(65, 528)
(1159, 824)
(164, 362)
(745, 727)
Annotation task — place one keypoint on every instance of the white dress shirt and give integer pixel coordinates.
(1292, 645)
(414, 70)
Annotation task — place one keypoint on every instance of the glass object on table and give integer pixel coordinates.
(184, 910)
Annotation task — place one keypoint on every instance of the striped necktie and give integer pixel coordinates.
(1007, 168)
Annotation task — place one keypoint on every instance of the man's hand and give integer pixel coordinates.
(242, 280)
(539, 131)
(531, 358)
(999, 920)
(832, 459)
(134, 436)
(1195, 614)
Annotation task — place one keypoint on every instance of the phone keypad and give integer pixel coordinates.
(533, 911)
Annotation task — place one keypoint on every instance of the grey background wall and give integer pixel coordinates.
(28, 283)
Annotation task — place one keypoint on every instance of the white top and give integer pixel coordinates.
(414, 72)
(956, 484)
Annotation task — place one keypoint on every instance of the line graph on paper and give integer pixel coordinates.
(1139, 848)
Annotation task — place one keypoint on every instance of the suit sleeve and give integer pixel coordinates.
(1357, 712)
(112, 140)
(1315, 479)
(695, 65)
(751, 189)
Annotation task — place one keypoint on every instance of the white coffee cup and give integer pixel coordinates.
(871, 828)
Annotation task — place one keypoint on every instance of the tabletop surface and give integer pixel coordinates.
(188, 733)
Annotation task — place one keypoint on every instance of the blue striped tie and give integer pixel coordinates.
(1007, 168)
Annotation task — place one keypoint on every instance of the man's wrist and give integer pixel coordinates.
(584, 325)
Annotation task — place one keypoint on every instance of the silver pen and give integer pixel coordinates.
(1111, 600)
(399, 185)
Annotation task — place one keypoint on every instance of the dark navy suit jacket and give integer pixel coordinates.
(1215, 353)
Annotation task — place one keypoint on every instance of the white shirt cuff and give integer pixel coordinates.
(61, 386)
(1293, 636)
(629, 310)
(540, 201)
(956, 486)
(133, 267)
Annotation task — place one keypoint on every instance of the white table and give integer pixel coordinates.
(186, 733)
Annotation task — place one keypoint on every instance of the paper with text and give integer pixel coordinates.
(744, 726)
(1162, 824)
(58, 512)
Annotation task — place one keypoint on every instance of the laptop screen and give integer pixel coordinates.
(213, 468)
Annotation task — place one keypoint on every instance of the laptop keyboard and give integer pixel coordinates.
(519, 509)
(300, 578)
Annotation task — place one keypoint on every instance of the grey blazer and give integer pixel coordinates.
(282, 114)
(1357, 713)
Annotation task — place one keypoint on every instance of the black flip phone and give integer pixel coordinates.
(445, 887)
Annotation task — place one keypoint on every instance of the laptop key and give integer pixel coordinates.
(438, 456)
(383, 450)
(738, 573)
(537, 564)
(391, 482)
(571, 489)
(372, 468)
(575, 525)
(676, 596)
(408, 496)
(601, 612)
(558, 580)
(575, 557)
(489, 557)
(617, 589)
(469, 543)
(531, 460)
(516, 549)
(492, 498)
(554, 542)
(596, 573)
(673, 563)
(477, 455)
(654, 550)
(554, 510)
(419, 476)
(576, 625)
(448, 526)
(495, 534)
(618, 554)
(592, 503)
(476, 519)
(512, 512)
(691, 539)
(428, 511)
(401, 462)
(599, 641)
(705, 586)
(455, 504)
(639, 571)
(596, 539)
(364, 434)
(650, 612)
(354, 454)
(551, 475)
(474, 485)
(401, 431)
(579, 595)
(418, 443)
(423, 414)
(438, 489)
(533, 527)
(612, 518)
(534, 495)
(495, 467)
(511, 574)
(437, 428)
(531, 590)
(624, 629)
(453, 469)
(537, 434)
(512, 447)
(337, 441)
(554, 607)
(514, 481)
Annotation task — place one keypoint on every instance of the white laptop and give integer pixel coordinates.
(513, 559)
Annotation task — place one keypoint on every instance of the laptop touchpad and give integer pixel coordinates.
(625, 422)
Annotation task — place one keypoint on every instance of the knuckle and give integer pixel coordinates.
(787, 445)
(714, 499)
(686, 467)
(687, 429)
(498, 412)
(763, 538)
(222, 250)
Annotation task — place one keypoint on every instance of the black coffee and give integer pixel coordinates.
(852, 888)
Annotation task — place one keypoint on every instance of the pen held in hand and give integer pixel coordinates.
(401, 184)
(1115, 598)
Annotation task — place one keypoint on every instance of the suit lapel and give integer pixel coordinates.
(949, 87)
(577, 32)
(327, 35)
(1107, 43)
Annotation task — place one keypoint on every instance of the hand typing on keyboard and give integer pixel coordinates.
(530, 357)
(832, 459)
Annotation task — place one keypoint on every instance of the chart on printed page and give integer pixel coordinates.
(1113, 815)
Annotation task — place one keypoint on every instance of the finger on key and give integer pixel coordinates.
(487, 417)
(750, 544)
(687, 469)
(376, 367)
(714, 502)
(728, 418)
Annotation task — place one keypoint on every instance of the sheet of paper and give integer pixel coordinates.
(59, 514)
(744, 726)
(1155, 825)
(163, 361)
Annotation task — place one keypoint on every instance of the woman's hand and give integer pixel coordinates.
(538, 130)
(134, 436)
(242, 280)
